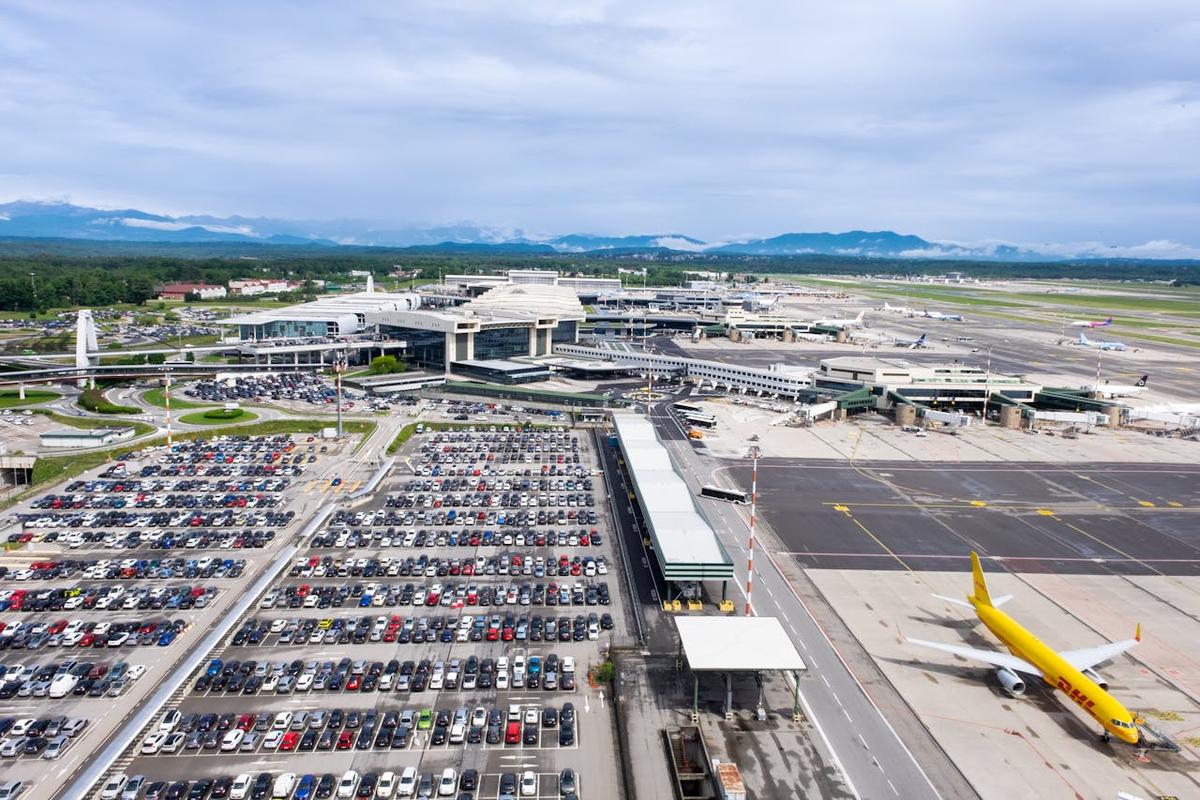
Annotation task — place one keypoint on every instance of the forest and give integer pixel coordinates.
(36, 275)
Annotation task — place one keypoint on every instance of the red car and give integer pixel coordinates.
(353, 683)
(512, 734)
(290, 740)
(345, 740)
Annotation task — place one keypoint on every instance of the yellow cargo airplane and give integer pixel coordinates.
(1070, 671)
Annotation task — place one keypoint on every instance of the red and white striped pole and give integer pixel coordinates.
(753, 520)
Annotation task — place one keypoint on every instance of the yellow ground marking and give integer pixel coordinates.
(844, 509)
(979, 503)
(1174, 504)
(1045, 512)
(1145, 504)
(882, 546)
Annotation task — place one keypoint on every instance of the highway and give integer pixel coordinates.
(875, 762)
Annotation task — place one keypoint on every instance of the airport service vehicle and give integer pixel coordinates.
(943, 317)
(1070, 671)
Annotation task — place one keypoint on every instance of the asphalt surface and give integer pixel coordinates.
(1129, 519)
(872, 758)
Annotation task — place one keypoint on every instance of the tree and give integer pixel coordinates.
(156, 358)
(386, 365)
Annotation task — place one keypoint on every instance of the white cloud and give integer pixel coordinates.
(1025, 121)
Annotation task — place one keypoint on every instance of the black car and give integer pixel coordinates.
(177, 790)
(262, 786)
(469, 780)
(325, 786)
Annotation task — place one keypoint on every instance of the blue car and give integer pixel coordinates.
(304, 788)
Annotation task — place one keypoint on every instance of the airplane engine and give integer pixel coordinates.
(1011, 682)
(1096, 678)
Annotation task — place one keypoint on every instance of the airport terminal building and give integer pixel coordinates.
(504, 322)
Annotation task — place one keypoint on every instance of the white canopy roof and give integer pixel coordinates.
(737, 644)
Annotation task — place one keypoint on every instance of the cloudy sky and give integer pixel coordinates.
(1019, 121)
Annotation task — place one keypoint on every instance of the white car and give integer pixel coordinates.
(408, 782)
(169, 720)
(240, 787)
(386, 785)
(272, 739)
(232, 740)
(154, 742)
(347, 784)
(174, 742)
(448, 783)
(529, 784)
(113, 786)
(284, 785)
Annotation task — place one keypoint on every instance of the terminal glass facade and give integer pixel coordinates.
(287, 329)
(426, 349)
(493, 343)
(564, 332)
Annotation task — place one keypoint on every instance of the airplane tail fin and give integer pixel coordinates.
(1108, 321)
(1142, 380)
(1083, 339)
(859, 318)
(981, 596)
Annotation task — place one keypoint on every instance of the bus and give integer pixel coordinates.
(699, 418)
(687, 408)
(728, 495)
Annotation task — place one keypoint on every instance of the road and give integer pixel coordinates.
(868, 751)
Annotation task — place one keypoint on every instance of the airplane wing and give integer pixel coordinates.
(1089, 657)
(996, 659)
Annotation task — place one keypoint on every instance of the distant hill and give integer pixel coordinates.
(52, 220)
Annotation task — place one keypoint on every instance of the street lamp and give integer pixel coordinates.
(339, 366)
(753, 453)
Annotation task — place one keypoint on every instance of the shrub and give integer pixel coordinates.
(95, 401)
(224, 413)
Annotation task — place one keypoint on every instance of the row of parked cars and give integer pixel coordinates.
(120, 518)
(173, 499)
(401, 782)
(501, 564)
(523, 537)
(60, 679)
(79, 596)
(87, 633)
(127, 569)
(45, 737)
(251, 677)
(157, 483)
(294, 386)
(451, 595)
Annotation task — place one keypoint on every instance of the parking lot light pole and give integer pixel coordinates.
(167, 401)
(753, 453)
(339, 366)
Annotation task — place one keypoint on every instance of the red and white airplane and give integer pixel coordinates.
(1088, 323)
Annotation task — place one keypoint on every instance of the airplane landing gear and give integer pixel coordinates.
(1106, 737)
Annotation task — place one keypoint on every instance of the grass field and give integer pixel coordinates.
(156, 397)
(198, 418)
(9, 397)
(90, 423)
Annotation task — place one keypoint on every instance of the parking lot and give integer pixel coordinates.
(449, 621)
(110, 578)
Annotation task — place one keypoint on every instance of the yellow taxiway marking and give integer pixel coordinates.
(979, 503)
(1045, 512)
(1174, 504)
(844, 509)
(1145, 504)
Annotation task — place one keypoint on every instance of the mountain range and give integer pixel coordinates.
(55, 220)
